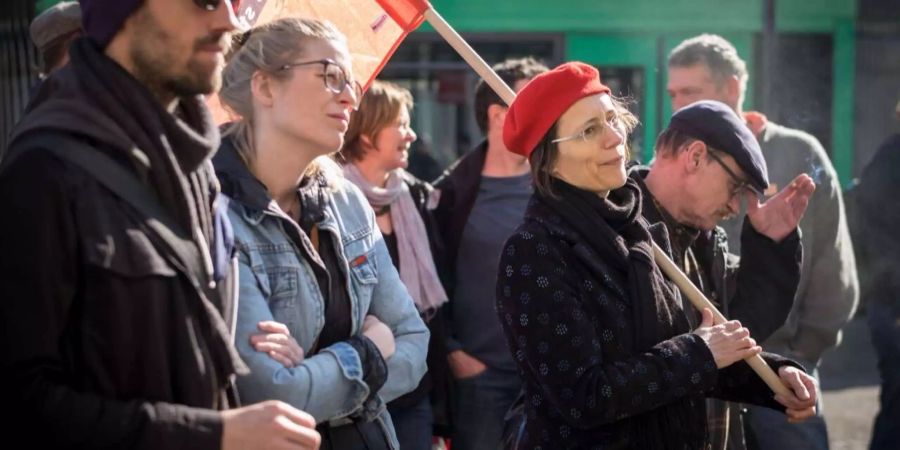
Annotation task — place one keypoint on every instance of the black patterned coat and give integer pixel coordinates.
(569, 329)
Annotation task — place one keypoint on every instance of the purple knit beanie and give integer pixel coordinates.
(103, 18)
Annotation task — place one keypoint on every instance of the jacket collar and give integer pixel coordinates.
(237, 181)
(467, 168)
(757, 122)
(243, 187)
(681, 236)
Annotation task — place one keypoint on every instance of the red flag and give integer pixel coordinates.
(374, 28)
(409, 14)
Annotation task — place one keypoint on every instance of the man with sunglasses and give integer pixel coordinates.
(117, 282)
(706, 161)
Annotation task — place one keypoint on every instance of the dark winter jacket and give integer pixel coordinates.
(878, 206)
(569, 323)
(109, 341)
(459, 188)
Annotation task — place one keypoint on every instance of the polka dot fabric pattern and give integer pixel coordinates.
(569, 329)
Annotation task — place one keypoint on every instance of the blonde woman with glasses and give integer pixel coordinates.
(324, 322)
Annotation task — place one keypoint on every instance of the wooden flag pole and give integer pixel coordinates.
(474, 59)
(700, 301)
(662, 260)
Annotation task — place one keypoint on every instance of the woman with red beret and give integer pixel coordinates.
(600, 337)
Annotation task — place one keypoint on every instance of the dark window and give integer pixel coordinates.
(800, 84)
(443, 86)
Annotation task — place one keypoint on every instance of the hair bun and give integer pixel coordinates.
(241, 38)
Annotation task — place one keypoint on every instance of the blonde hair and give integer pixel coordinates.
(379, 107)
(266, 48)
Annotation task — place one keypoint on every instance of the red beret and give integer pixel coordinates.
(543, 100)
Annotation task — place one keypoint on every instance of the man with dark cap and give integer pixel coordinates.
(706, 161)
(708, 67)
(117, 282)
(878, 209)
(53, 31)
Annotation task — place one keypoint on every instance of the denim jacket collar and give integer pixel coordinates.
(242, 186)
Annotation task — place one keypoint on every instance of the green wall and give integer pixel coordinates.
(640, 33)
(41, 5)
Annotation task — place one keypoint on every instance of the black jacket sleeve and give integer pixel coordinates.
(39, 278)
(764, 281)
(878, 207)
(739, 383)
(444, 255)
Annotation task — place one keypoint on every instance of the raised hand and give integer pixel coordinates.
(780, 215)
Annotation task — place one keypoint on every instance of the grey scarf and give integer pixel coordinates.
(416, 264)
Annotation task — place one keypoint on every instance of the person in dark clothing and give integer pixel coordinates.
(422, 162)
(600, 337)
(483, 196)
(690, 198)
(53, 32)
(310, 254)
(134, 307)
(708, 67)
(879, 211)
(376, 155)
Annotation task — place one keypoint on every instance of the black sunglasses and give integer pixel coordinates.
(739, 184)
(212, 5)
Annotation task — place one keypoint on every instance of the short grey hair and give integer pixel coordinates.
(716, 52)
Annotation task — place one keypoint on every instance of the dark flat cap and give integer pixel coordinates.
(57, 21)
(719, 127)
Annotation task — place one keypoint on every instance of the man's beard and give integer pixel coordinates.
(153, 54)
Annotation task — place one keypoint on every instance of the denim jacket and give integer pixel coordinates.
(277, 283)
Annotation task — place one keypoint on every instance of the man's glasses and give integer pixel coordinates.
(738, 185)
(336, 79)
(212, 5)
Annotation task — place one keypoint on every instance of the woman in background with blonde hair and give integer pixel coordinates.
(324, 322)
(376, 154)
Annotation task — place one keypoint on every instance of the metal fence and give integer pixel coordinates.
(18, 63)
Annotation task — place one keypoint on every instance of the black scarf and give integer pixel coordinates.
(614, 228)
(171, 154)
(169, 149)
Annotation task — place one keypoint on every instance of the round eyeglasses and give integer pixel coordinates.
(738, 185)
(336, 79)
(593, 129)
